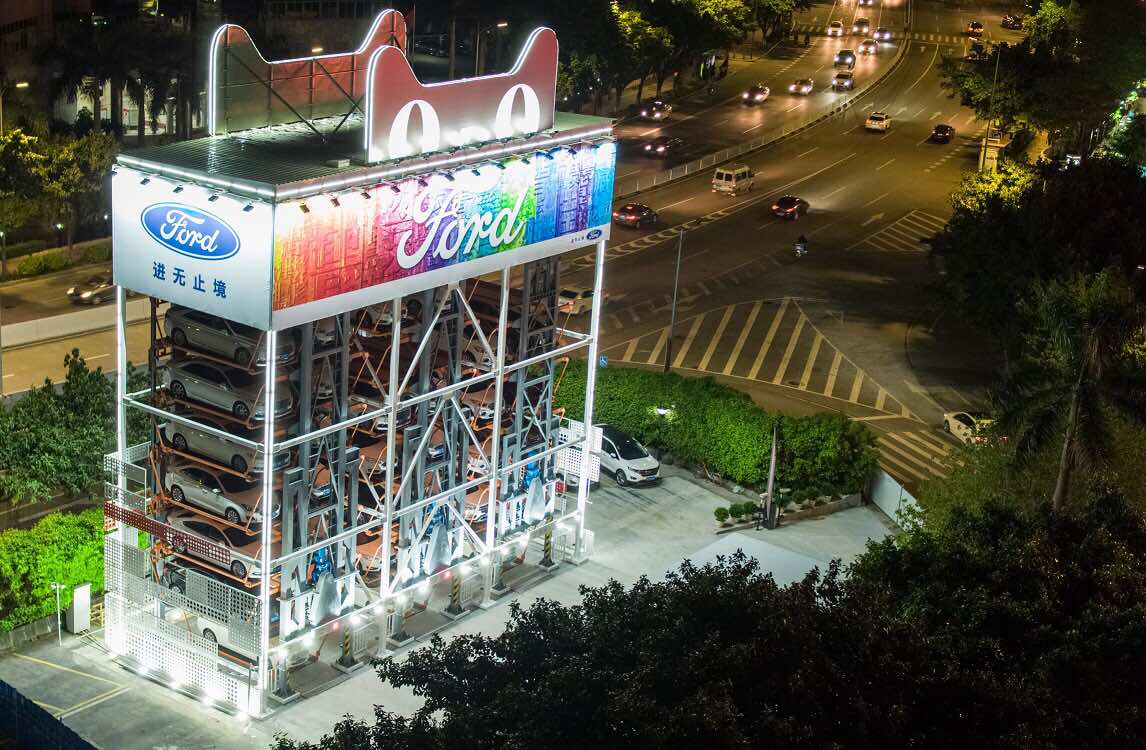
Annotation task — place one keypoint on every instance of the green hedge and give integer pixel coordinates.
(61, 548)
(723, 429)
(20, 249)
(61, 258)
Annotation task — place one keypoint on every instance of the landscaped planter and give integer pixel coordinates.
(827, 508)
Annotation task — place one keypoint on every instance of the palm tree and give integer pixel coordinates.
(1075, 371)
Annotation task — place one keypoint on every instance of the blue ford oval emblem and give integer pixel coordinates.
(190, 231)
(593, 234)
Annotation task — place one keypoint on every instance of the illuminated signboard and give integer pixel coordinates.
(213, 255)
(429, 231)
(455, 113)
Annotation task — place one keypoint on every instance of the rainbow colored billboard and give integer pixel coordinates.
(333, 255)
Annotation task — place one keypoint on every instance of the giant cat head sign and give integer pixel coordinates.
(403, 117)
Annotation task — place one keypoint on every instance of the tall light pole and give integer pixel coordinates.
(675, 286)
(482, 31)
(4, 90)
(59, 628)
(990, 112)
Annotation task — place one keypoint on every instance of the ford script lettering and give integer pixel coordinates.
(448, 232)
(190, 231)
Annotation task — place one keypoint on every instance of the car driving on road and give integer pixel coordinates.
(94, 290)
(942, 133)
(801, 86)
(975, 28)
(883, 34)
(225, 338)
(861, 26)
(877, 121)
(845, 57)
(656, 110)
(1013, 21)
(635, 215)
(968, 427)
(234, 391)
(662, 146)
(845, 80)
(790, 207)
(733, 179)
(836, 28)
(755, 94)
(869, 47)
(626, 460)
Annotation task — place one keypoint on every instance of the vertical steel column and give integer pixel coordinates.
(268, 493)
(391, 427)
(495, 439)
(590, 391)
(120, 403)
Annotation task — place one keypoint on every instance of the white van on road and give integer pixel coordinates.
(733, 179)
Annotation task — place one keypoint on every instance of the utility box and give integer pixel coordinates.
(78, 616)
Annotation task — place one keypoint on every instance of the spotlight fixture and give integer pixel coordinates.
(475, 172)
(334, 201)
(395, 189)
(248, 208)
(449, 177)
(145, 180)
(499, 165)
(178, 189)
(213, 197)
(524, 160)
(303, 207)
(546, 154)
(422, 182)
(366, 194)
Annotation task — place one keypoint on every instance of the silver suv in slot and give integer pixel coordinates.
(225, 338)
(217, 492)
(193, 440)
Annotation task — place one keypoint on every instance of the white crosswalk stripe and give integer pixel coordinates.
(904, 235)
(896, 33)
(914, 456)
(768, 341)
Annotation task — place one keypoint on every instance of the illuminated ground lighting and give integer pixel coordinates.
(304, 208)
(334, 201)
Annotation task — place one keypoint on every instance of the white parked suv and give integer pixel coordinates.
(878, 121)
(626, 460)
(968, 427)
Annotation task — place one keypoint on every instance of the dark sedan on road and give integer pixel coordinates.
(975, 28)
(942, 133)
(790, 207)
(801, 86)
(655, 110)
(1013, 21)
(94, 290)
(883, 34)
(662, 146)
(635, 215)
(845, 57)
(755, 94)
(843, 81)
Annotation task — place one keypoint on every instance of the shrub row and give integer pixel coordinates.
(61, 548)
(722, 429)
(20, 249)
(61, 258)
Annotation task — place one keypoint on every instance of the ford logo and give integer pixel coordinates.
(190, 231)
(593, 234)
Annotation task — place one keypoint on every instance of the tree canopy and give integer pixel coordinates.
(998, 628)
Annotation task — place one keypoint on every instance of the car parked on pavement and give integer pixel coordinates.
(733, 179)
(626, 460)
(663, 146)
(882, 34)
(975, 28)
(790, 207)
(192, 440)
(635, 215)
(869, 47)
(861, 26)
(877, 121)
(94, 290)
(228, 389)
(845, 57)
(209, 333)
(656, 110)
(942, 133)
(845, 80)
(968, 427)
(755, 94)
(836, 28)
(801, 86)
(220, 493)
(243, 548)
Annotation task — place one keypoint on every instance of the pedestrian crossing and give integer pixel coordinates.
(905, 235)
(896, 34)
(914, 456)
(768, 341)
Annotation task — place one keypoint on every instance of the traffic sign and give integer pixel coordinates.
(603, 361)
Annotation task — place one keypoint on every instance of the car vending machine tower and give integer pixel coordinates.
(345, 431)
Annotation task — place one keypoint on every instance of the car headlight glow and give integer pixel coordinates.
(85, 295)
(745, 95)
(660, 149)
(644, 113)
(72, 290)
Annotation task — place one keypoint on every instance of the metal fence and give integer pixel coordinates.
(629, 186)
(31, 727)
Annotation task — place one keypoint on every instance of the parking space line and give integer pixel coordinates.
(833, 372)
(93, 701)
(792, 341)
(811, 361)
(708, 352)
(630, 350)
(768, 339)
(688, 339)
(65, 669)
(857, 384)
(911, 458)
(731, 363)
(929, 442)
(913, 472)
(880, 398)
(660, 345)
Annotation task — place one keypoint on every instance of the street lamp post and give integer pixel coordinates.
(672, 316)
(482, 31)
(4, 90)
(59, 627)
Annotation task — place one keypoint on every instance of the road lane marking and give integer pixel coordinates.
(917, 114)
(708, 352)
(688, 339)
(630, 350)
(677, 203)
(857, 384)
(749, 130)
(813, 148)
(841, 187)
(793, 340)
(811, 361)
(925, 71)
(876, 199)
(797, 105)
(880, 398)
(652, 360)
(731, 364)
(881, 166)
(768, 340)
